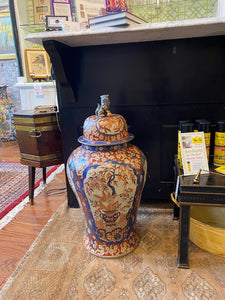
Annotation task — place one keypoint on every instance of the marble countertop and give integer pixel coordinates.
(140, 33)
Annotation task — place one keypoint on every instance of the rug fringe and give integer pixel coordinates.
(10, 215)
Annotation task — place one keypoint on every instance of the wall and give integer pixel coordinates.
(154, 11)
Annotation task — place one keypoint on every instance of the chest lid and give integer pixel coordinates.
(29, 117)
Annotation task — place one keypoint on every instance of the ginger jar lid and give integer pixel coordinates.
(105, 128)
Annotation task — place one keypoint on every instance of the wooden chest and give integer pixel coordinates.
(39, 138)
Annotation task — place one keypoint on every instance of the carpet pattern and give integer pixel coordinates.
(59, 267)
(14, 184)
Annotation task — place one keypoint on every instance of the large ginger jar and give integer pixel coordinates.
(7, 125)
(107, 175)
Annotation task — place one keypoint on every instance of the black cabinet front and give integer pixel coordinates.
(152, 84)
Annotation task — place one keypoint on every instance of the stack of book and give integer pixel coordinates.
(123, 18)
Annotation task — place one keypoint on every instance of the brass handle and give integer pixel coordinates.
(174, 200)
(35, 133)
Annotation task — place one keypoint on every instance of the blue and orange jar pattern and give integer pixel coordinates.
(115, 6)
(107, 175)
(7, 125)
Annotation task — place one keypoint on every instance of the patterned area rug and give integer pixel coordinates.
(14, 184)
(58, 266)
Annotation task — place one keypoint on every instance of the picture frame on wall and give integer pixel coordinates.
(7, 47)
(41, 9)
(62, 8)
(38, 64)
(87, 9)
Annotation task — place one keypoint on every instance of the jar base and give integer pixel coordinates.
(113, 250)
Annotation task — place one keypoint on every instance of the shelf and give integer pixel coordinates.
(33, 28)
(31, 84)
(140, 33)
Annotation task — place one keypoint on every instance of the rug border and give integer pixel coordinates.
(11, 214)
(25, 194)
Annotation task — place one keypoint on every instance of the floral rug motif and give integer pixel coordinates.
(14, 186)
(57, 266)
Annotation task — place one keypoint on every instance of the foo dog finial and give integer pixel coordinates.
(103, 110)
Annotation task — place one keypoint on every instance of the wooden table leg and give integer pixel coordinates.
(183, 239)
(44, 175)
(31, 171)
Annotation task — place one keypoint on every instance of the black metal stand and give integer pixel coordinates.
(209, 191)
(183, 241)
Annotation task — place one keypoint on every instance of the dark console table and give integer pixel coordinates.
(155, 74)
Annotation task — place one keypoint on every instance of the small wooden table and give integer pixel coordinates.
(209, 191)
(39, 139)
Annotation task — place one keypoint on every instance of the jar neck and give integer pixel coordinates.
(105, 148)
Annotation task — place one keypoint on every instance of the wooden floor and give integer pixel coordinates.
(17, 236)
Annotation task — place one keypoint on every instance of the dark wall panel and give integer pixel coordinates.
(152, 84)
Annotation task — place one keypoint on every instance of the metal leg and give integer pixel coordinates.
(183, 239)
(31, 171)
(176, 212)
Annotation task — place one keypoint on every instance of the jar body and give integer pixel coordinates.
(108, 183)
(7, 125)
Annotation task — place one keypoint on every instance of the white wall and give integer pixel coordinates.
(221, 8)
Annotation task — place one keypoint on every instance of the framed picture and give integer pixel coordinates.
(38, 65)
(7, 47)
(41, 9)
(54, 22)
(87, 9)
(62, 8)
